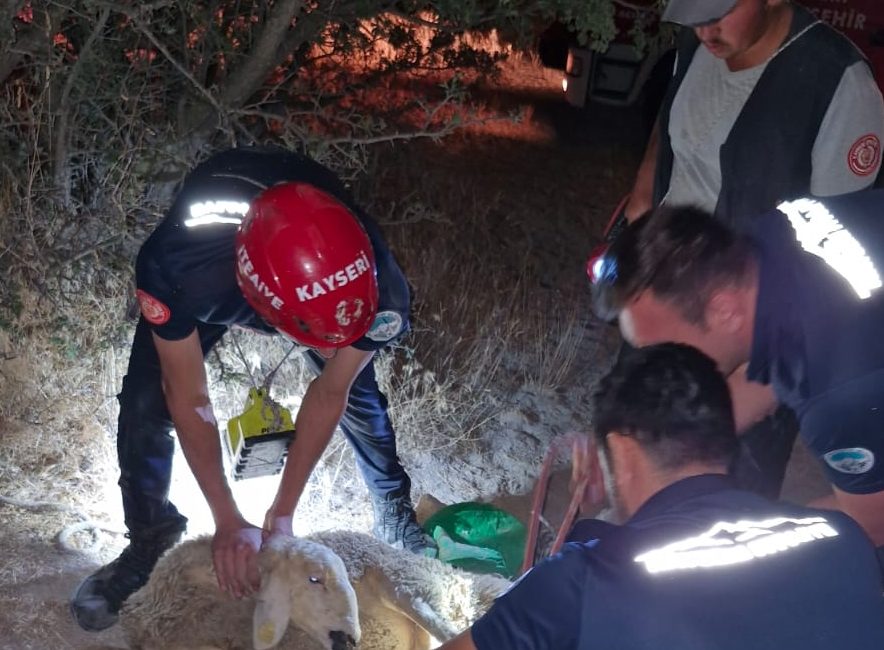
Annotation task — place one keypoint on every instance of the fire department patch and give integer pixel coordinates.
(386, 325)
(864, 155)
(853, 460)
(152, 309)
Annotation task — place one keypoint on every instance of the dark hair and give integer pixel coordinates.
(673, 400)
(682, 254)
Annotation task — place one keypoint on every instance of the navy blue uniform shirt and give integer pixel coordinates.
(185, 272)
(818, 338)
(700, 566)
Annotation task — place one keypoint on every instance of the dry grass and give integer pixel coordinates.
(482, 330)
(491, 226)
(491, 371)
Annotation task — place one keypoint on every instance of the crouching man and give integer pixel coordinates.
(272, 241)
(797, 304)
(698, 564)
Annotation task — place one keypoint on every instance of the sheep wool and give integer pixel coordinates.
(404, 600)
(302, 583)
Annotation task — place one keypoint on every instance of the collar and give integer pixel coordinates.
(677, 493)
(771, 227)
(801, 20)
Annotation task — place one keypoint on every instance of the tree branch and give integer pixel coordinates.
(8, 10)
(249, 76)
(31, 39)
(61, 171)
(178, 66)
(439, 27)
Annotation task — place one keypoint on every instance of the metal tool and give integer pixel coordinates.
(258, 439)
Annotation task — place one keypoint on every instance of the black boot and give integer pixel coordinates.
(395, 523)
(96, 602)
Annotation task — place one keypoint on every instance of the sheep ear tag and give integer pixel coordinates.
(273, 607)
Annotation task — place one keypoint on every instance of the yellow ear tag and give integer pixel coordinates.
(266, 632)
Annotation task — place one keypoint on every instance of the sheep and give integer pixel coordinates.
(405, 601)
(181, 607)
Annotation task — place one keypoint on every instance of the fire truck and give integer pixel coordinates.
(623, 75)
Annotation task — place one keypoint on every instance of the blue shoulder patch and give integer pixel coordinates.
(386, 325)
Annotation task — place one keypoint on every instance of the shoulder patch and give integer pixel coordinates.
(153, 310)
(386, 325)
(852, 460)
(864, 155)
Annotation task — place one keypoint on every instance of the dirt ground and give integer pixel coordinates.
(574, 165)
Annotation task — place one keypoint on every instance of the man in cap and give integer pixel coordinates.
(755, 76)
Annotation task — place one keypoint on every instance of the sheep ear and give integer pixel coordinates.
(273, 606)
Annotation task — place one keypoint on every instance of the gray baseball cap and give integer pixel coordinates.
(696, 12)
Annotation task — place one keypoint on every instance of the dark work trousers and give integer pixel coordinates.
(366, 426)
(145, 446)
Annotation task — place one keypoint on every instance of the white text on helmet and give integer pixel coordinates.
(247, 271)
(731, 543)
(207, 212)
(820, 233)
(336, 280)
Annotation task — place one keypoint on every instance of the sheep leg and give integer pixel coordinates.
(377, 585)
(421, 639)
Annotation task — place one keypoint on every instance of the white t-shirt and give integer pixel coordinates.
(846, 152)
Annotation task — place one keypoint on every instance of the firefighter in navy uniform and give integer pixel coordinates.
(799, 302)
(269, 240)
(698, 564)
(750, 76)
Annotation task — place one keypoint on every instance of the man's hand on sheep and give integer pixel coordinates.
(308, 598)
(234, 550)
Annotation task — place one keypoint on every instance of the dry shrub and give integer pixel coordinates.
(497, 334)
(493, 326)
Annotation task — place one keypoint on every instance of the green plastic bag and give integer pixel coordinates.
(478, 537)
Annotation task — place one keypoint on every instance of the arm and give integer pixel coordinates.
(320, 412)
(641, 198)
(541, 611)
(865, 509)
(847, 151)
(752, 401)
(187, 398)
(842, 429)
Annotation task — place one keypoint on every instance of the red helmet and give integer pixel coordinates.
(306, 265)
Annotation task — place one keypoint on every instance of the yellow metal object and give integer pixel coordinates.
(258, 438)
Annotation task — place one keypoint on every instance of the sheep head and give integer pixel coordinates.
(304, 583)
